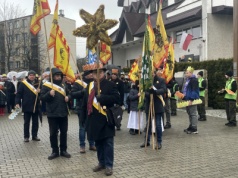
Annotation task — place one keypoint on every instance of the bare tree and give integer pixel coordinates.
(8, 12)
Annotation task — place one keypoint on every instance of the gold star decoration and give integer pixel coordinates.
(95, 28)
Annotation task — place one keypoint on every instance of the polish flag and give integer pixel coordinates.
(185, 40)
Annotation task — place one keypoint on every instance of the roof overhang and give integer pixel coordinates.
(227, 10)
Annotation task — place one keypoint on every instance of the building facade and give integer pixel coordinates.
(209, 21)
(20, 50)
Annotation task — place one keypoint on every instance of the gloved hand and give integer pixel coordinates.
(151, 90)
(99, 98)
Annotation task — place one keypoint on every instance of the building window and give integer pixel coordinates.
(25, 50)
(165, 3)
(24, 36)
(10, 39)
(142, 9)
(17, 37)
(24, 23)
(197, 32)
(18, 64)
(178, 36)
(17, 24)
(10, 25)
(152, 7)
(129, 37)
(17, 51)
(11, 65)
(25, 64)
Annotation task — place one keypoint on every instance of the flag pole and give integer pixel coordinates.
(98, 79)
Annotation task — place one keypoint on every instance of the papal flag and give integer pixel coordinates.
(161, 39)
(146, 79)
(105, 53)
(40, 10)
(134, 72)
(169, 64)
(54, 28)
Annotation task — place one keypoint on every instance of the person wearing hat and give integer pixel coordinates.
(56, 98)
(10, 93)
(26, 95)
(77, 92)
(191, 93)
(202, 87)
(230, 92)
(120, 87)
(95, 102)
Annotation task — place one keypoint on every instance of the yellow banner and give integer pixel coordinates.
(40, 10)
(134, 72)
(105, 53)
(54, 28)
(169, 64)
(61, 54)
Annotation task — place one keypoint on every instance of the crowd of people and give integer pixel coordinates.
(97, 90)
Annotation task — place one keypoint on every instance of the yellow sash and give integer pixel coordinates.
(30, 87)
(81, 83)
(56, 88)
(96, 105)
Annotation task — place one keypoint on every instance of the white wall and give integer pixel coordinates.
(220, 36)
(222, 2)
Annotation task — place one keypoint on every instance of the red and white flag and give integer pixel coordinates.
(185, 40)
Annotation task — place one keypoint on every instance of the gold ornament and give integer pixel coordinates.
(95, 28)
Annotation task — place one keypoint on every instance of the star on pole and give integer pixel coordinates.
(95, 28)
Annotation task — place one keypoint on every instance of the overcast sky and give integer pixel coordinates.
(71, 10)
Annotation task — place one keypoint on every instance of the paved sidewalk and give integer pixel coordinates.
(211, 153)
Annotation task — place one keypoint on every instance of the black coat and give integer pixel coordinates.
(28, 98)
(55, 106)
(10, 89)
(3, 98)
(159, 84)
(134, 99)
(120, 88)
(96, 125)
(77, 93)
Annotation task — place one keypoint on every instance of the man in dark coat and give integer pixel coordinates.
(120, 88)
(173, 87)
(29, 94)
(95, 102)
(158, 90)
(10, 93)
(77, 92)
(57, 112)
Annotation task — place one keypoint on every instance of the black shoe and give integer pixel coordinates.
(108, 171)
(143, 145)
(118, 128)
(231, 124)
(26, 139)
(35, 139)
(202, 119)
(65, 154)
(173, 114)
(167, 126)
(227, 123)
(53, 156)
(192, 131)
(159, 146)
(98, 168)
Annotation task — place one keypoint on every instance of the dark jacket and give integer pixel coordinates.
(173, 87)
(10, 89)
(96, 125)
(127, 86)
(159, 84)
(55, 106)
(134, 99)
(120, 88)
(3, 98)
(28, 98)
(192, 91)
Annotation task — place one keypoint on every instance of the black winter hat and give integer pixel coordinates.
(31, 72)
(87, 72)
(200, 73)
(229, 73)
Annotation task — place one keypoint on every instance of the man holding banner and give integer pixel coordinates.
(56, 100)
